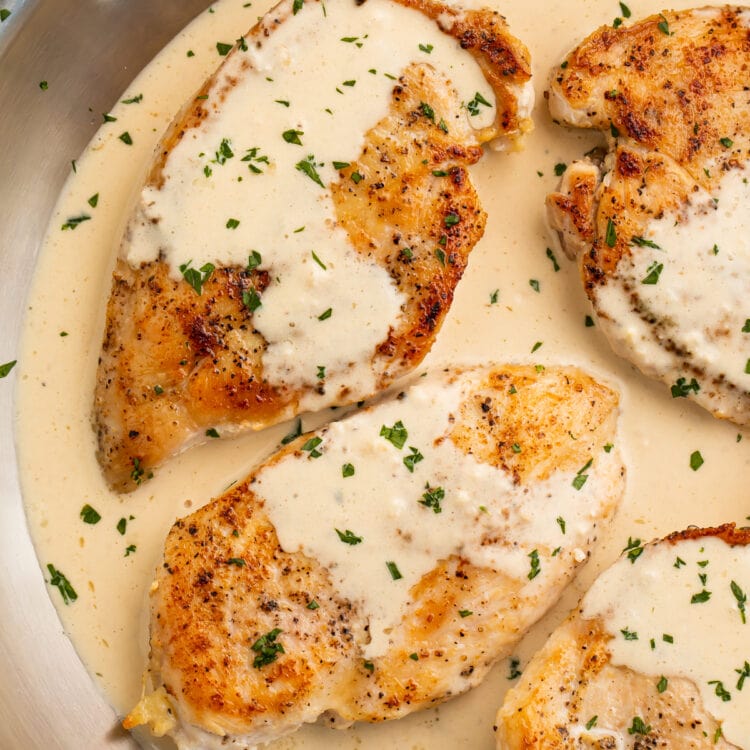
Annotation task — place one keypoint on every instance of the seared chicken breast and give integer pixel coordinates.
(659, 228)
(296, 244)
(648, 658)
(382, 564)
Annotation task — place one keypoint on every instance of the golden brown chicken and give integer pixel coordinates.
(659, 229)
(383, 563)
(629, 669)
(214, 322)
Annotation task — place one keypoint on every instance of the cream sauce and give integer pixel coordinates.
(108, 622)
(658, 600)
(316, 84)
(695, 283)
(423, 502)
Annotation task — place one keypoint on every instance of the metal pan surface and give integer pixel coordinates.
(87, 51)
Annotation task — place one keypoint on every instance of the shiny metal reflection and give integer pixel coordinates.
(87, 51)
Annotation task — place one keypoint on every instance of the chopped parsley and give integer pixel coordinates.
(432, 497)
(233, 223)
(682, 388)
(196, 277)
(251, 300)
(426, 48)
(297, 6)
(237, 561)
(473, 105)
(611, 236)
(625, 10)
(536, 346)
(340, 164)
(57, 578)
(313, 605)
(93, 200)
(701, 597)
(122, 525)
(347, 470)
(588, 321)
(696, 460)
(591, 723)
(393, 570)
(130, 549)
(427, 111)
(726, 142)
(652, 273)
(534, 284)
(451, 219)
(326, 314)
(267, 648)
(4, 13)
(413, 458)
(720, 691)
(368, 665)
(212, 432)
(311, 446)
(223, 48)
(629, 635)
(292, 136)
(74, 221)
(643, 242)
(465, 612)
(743, 673)
(252, 157)
(661, 686)
(494, 297)
(126, 138)
(634, 548)
(638, 726)
(319, 261)
(581, 477)
(89, 515)
(395, 435)
(6, 368)
(741, 598)
(560, 168)
(513, 668)
(536, 567)
(663, 25)
(349, 537)
(321, 374)
(294, 434)
(555, 264)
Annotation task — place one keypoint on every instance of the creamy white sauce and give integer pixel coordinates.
(653, 598)
(323, 77)
(108, 622)
(701, 269)
(383, 505)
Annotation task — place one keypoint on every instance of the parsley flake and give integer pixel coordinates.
(413, 458)
(267, 648)
(57, 578)
(395, 435)
(196, 277)
(349, 537)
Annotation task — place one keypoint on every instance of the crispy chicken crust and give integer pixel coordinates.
(670, 94)
(203, 351)
(206, 612)
(571, 680)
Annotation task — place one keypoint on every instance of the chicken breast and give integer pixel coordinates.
(655, 656)
(660, 228)
(382, 564)
(305, 222)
